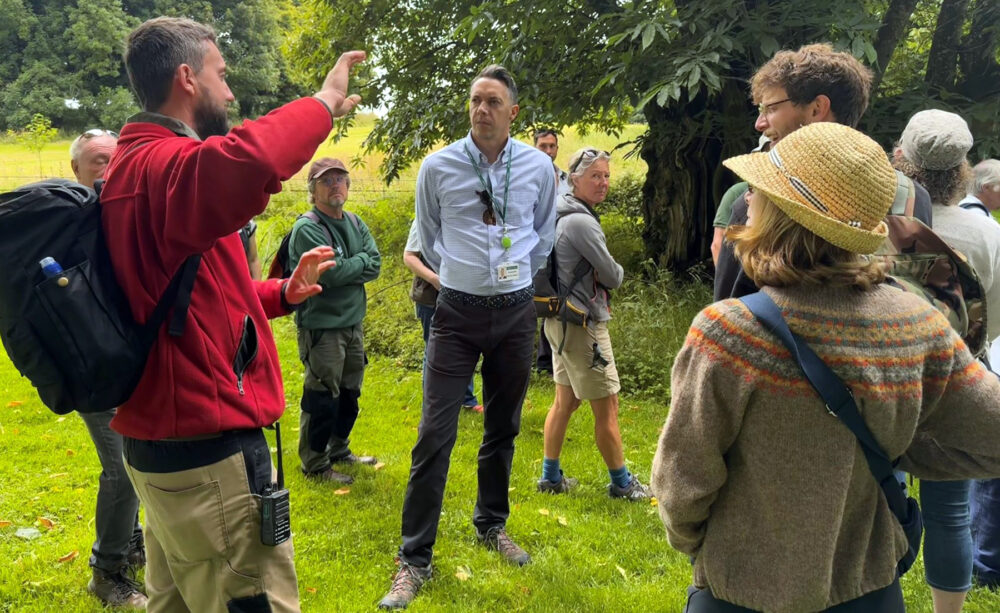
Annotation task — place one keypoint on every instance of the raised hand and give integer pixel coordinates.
(304, 280)
(334, 90)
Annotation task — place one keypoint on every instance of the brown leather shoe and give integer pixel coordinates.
(332, 476)
(405, 586)
(496, 539)
(117, 590)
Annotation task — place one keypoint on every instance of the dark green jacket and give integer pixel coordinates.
(342, 302)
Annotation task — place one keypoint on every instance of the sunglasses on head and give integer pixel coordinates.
(489, 217)
(95, 132)
(586, 155)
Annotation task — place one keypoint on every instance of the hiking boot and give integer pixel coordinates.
(330, 475)
(496, 538)
(634, 491)
(563, 485)
(405, 586)
(117, 590)
(350, 458)
(136, 557)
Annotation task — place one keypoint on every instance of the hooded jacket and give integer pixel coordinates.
(579, 237)
(168, 195)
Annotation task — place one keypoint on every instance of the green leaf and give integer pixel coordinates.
(768, 45)
(694, 79)
(647, 35)
(870, 54)
(663, 96)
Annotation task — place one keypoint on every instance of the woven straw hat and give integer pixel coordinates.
(830, 179)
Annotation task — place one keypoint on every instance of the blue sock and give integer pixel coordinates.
(620, 476)
(551, 471)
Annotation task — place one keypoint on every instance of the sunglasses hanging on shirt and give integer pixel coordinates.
(489, 216)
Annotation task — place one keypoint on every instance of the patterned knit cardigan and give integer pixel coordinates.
(768, 492)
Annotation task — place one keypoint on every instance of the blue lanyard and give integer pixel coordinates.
(489, 190)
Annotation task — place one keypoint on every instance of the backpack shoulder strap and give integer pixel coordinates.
(354, 220)
(837, 396)
(906, 196)
(312, 216)
(975, 206)
(177, 295)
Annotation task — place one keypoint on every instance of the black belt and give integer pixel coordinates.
(498, 301)
(169, 456)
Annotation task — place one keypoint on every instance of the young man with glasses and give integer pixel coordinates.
(330, 333)
(486, 248)
(118, 552)
(794, 89)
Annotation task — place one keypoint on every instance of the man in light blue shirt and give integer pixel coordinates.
(485, 211)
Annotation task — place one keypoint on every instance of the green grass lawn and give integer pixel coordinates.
(590, 553)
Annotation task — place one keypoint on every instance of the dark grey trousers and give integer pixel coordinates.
(459, 335)
(117, 515)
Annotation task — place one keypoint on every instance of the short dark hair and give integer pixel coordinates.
(499, 73)
(816, 70)
(155, 49)
(545, 132)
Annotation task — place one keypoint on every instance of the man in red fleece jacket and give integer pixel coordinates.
(181, 183)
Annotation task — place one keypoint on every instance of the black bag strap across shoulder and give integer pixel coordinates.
(839, 402)
(177, 295)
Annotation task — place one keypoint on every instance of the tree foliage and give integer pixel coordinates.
(63, 58)
(683, 64)
(34, 136)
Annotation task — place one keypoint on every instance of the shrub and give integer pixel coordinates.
(650, 322)
(651, 318)
(391, 328)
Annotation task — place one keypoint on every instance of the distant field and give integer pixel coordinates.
(18, 165)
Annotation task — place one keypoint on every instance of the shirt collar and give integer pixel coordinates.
(471, 144)
(171, 123)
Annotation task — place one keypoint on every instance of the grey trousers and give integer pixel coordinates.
(459, 335)
(117, 515)
(334, 360)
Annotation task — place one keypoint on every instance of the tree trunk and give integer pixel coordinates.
(895, 25)
(942, 62)
(978, 54)
(685, 180)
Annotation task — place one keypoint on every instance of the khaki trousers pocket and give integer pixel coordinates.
(191, 526)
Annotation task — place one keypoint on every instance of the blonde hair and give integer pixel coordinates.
(776, 251)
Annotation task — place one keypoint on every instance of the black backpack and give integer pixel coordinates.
(71, 332)
(550, 300)
(280, 266)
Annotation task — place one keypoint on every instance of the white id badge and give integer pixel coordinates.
(508, 271)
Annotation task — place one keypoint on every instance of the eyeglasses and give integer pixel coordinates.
(768, 108)
(586, 155)
(95, 132)
(489, 217)
(332, 180)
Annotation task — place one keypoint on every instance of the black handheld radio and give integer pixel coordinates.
(275, 513)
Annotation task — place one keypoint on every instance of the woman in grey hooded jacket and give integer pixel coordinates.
(584, 365)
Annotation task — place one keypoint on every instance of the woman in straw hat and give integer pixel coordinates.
(768, 493)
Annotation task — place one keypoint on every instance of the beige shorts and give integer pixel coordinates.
(576, 366)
